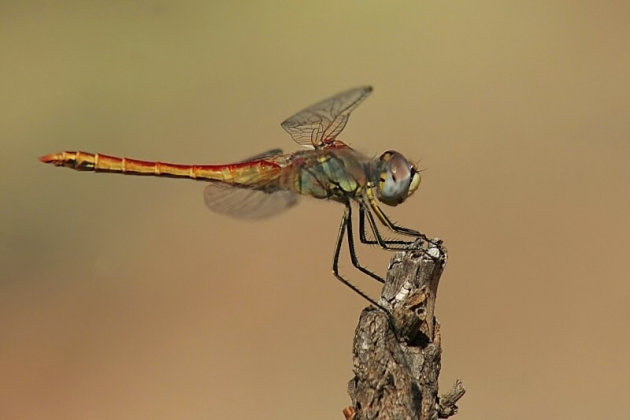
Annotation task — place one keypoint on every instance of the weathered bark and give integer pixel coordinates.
(397, 356)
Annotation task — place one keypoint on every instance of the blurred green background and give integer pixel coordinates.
(125, 298)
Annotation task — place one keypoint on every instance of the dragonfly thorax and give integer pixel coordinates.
(396, 178)
(336, 173)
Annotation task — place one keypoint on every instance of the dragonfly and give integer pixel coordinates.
(271, 182)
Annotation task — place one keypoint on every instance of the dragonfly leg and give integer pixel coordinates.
(353, 255)
(389, 244)
(378, 239)
(346, 225)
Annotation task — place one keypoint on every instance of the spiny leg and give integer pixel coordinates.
(353, 255)
(384, 243)
(342, 230)
(394, 227)
(388, 244)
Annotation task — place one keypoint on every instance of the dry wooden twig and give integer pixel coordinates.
(397, 357)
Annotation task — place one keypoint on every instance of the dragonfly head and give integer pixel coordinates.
(397, 178)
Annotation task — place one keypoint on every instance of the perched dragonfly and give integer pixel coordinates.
(271, 182)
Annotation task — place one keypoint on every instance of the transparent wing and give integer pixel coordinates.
(244, 203)
(264, 155)
(247, 203)
(319, 124)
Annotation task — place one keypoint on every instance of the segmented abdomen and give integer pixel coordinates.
(250, 173)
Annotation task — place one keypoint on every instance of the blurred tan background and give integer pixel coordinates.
(125, 298)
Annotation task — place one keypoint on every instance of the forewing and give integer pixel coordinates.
(319, 124)
(264, 155)
(245, 203)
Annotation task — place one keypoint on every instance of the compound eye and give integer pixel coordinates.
(396, 176)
